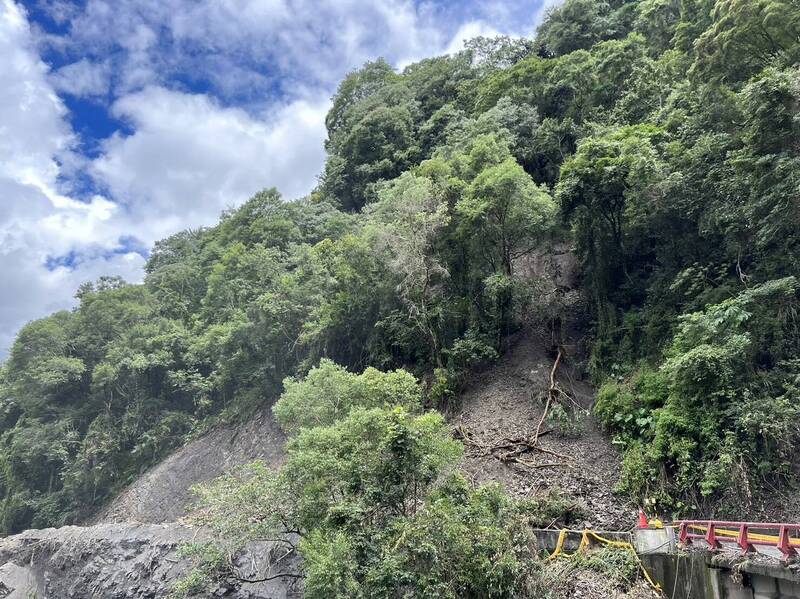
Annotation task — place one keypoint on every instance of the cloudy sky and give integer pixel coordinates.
(123, 121)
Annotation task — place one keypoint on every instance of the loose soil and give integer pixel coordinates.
(507, 401)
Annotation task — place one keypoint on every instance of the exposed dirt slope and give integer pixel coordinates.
(162, 494)
(507, 401)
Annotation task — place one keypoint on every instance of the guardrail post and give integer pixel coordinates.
(711, 537)
(784, 546)
(683, 535)
(742, 541)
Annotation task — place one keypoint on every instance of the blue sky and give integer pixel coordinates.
(123, 121)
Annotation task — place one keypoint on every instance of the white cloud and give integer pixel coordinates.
(190, 158)
(245, 48)
(188, 155)
(36, 221)
(468, 31)
(83, 78)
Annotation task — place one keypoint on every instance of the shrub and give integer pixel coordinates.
(627, 407)
(329, 392)
(721, 410)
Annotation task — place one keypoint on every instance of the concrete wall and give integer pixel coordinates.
(696, 574)
(548, 539)
(681, 576)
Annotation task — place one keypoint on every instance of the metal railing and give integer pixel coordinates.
(746, 535)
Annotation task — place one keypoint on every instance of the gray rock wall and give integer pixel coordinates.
(132, 561)
(162, 493)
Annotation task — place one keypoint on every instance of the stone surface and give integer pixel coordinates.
(132, 561)
(162, 494)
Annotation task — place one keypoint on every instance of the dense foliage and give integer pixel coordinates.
(370, 499)
(658, 136)
(423, 278)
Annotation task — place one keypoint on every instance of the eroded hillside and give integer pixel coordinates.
(505, 404)
(132, 547)
(162, 494)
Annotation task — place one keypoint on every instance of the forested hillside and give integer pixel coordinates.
(661, 138)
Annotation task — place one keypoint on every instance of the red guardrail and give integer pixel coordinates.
(747, 535)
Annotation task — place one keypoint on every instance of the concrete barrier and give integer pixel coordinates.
(696, 573)
(702, 574)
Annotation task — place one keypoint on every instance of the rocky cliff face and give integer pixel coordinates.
(135, 561)
(127, 552)
(163, 493)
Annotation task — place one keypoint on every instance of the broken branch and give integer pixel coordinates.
(511, 450)
(552, 395)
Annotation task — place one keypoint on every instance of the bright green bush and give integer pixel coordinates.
(329, 392)
(626, 408)
(461, 543)
(721, 410)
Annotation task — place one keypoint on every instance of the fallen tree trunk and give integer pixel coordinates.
(513, 449)
(552, 395)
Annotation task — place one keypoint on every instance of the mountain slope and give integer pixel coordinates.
(162, 494)
(507, 401)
